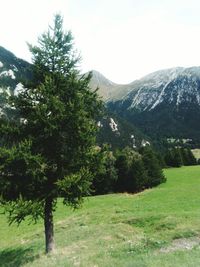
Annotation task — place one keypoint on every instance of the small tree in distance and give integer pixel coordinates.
(154, 171)
(47, 150)
(131, 171)
(104, 171)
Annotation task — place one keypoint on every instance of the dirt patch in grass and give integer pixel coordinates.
(182, 244)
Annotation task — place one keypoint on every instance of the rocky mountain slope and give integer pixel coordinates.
(107, 89)
(165, 103)
(177, 86)
(15, 72)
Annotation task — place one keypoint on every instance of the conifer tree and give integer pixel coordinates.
(187, 157)
(169, 157)
(46, 151)
(177, 159)
(104, 171)
(151, 163)
(132, 176)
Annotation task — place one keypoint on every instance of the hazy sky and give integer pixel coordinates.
(123, 39)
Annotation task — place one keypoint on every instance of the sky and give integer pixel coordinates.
(122, 39)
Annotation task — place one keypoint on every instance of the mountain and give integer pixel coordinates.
(177, 86)
(164, 104)
(107, 89)
(119, 133)
(105, 86)
(15, 72)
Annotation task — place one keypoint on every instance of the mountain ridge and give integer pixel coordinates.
(116, 91)
(14, 75)
(162, 104)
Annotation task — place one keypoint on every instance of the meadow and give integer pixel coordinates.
(157, 227)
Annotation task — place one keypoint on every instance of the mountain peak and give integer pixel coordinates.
(101, 79)
(105, 85)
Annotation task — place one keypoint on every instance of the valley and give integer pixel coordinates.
(100, 134)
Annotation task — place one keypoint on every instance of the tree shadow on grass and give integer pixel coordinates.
(16, 257)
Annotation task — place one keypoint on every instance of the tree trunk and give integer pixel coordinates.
(48, 225)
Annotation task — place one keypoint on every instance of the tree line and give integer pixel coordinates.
(125, 170)
(179, 156)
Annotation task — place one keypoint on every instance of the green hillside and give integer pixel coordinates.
(158, 227)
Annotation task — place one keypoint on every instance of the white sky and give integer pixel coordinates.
(123, 39)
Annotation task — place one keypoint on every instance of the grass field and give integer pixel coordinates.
(158, 227)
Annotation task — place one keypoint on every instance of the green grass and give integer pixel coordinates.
(158, 227)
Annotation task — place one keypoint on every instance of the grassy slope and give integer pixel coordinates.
(153, 228)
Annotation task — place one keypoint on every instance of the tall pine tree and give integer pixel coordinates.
(46, 152)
